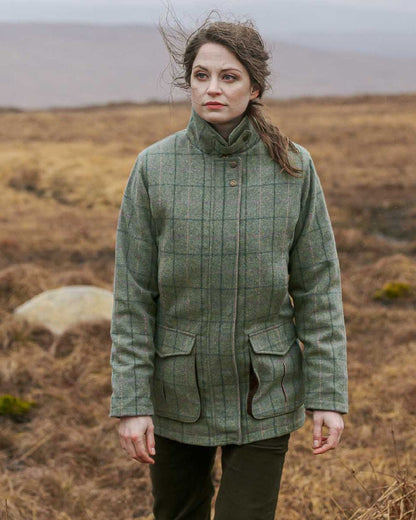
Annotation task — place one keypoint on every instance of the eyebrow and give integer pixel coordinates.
(222, 70)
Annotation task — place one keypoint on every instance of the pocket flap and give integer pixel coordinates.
(274, 340)
(172, 342)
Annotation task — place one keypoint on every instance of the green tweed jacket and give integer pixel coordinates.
(227, 318)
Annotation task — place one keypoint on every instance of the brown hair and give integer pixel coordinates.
(245, 42)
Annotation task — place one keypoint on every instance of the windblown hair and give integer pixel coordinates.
(245, 42)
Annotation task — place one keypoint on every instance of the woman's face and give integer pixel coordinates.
(220, 87)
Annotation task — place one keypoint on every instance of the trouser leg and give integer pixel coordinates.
(250, 480)
(181, 480)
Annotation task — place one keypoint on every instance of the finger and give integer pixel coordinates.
(322, 449)
(150, 439)
(317, 433)
(140, 449)
(122, 442)
(328, 443)
(131, 449)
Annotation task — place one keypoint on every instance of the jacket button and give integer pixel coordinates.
(233, 164)
(233, 183)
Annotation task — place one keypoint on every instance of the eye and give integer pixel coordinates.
(200, 75)
(229, 77)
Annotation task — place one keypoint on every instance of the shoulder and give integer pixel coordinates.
(161, 154)
(301, 158)
(166, 146)
(309, 179)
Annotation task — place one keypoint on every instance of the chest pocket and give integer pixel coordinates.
(276, 358)
(175, 389)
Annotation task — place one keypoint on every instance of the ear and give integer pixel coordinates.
(255, 91)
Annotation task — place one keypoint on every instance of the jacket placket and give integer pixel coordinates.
(232, 180)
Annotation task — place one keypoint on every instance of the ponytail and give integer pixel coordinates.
(277, 144)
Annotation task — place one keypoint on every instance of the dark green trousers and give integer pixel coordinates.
(182, 485)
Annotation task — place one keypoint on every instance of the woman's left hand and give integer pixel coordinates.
(335, 424)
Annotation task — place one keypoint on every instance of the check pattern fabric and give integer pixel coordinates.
(225, 265)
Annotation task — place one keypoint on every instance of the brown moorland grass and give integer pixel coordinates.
(62, 177)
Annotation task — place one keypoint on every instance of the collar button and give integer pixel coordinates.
(233, 164)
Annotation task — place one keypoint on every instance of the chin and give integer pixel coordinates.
(215, 118)
(218, 118)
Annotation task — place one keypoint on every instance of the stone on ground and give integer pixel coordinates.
(60, 309)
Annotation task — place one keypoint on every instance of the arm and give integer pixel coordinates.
(315, 286)
(135, 301)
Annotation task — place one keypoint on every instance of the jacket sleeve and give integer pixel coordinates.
(135, 301)
(315, 287)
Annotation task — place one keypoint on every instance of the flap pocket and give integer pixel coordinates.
(172, 342)
(274, 340)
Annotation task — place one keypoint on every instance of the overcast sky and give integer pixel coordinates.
(148, 11)
(384, 27)
(348, 32)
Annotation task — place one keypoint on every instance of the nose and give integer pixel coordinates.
(213, 87)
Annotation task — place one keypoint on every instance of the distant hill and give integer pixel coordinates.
(45, 65)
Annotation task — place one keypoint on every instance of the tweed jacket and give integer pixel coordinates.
(227, 318)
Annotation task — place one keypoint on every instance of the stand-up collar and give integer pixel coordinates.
(206, 138)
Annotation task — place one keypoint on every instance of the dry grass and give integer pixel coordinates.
(62, 177)
(397, 501)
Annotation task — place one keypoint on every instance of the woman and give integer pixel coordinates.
(225, 263)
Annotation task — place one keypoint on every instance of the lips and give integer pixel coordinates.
(214, 104)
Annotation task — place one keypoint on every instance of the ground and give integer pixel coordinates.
(62, 178)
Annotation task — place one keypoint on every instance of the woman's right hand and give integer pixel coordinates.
(137, 438)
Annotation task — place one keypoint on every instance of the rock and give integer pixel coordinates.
(59, 309)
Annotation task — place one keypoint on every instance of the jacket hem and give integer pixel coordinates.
(224, 439)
